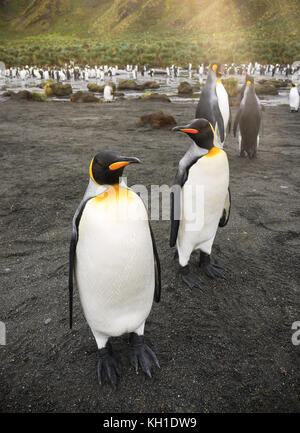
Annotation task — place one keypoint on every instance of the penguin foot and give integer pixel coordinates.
(108, 366)
(141, 354)
(212, 270)
(190, 279)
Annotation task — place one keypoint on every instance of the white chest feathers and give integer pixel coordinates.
(202, 199)
(114, 265)
(294, 98)
(223, 102)
(108, 93)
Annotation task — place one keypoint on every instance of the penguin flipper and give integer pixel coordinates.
(72, 253)
(181, 177)
(226, 212)
(220, 122)
(229, 121)
(174, 222)
(241, 92)
(157, 290)
(236, 122)
(180, 180)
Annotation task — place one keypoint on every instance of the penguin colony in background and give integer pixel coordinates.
(100, 72)
(80, 72)
(113, 255)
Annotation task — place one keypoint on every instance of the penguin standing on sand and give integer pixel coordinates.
(202, 181)
(108, 93)
(114, 260)
(248, 119)
(208, 105)
(294, 98)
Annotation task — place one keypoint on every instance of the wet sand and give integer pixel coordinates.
(224, 348)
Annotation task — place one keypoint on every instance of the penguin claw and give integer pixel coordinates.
(108, 367)
(141, 355)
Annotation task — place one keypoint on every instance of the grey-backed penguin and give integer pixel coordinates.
(208, 105)
(114, 260)
(202, 178)
(248, 119)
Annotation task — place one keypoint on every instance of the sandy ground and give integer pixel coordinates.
(224, 348)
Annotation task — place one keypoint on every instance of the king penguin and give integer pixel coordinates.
(108, 93)
(208, 106)
(114, 260)
(248, 119)
(202, 178)
(294, 98)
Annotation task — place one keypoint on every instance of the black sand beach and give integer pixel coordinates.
(225, 348)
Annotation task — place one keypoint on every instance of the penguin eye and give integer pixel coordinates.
(99, 163)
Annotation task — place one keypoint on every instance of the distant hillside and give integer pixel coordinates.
(102, 17)
(158, 32)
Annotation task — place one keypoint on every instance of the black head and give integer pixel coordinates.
(107, 167)
(217, 69)
(249, 78)
(200, 131)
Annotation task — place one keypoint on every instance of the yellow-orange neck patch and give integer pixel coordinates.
(213, 152)
(213, 130)
(91, 172)
(114, 193)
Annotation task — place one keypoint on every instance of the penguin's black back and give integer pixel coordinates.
(208, 97)
(250, 120)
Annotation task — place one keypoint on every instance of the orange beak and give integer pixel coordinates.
(126, 161)
(190, 131)
(184, 129)
(117, 165)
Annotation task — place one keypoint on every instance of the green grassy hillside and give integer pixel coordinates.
(154, 31)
